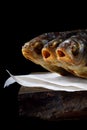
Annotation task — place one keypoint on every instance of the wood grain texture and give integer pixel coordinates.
(53, 105)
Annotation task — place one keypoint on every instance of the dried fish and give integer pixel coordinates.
(72, 53)
(49, 50)
(32, 50)
(60, 52)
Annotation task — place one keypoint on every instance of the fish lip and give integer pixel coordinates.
(46, 54)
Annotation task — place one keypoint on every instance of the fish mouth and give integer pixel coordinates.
(47, 55)
(48, 52)
(63, 56)
(60, 53)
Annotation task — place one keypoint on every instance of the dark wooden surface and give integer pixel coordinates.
(52, 109)
(53, 105)
(42, 110)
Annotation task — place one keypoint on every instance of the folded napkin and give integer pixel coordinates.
(48, 80)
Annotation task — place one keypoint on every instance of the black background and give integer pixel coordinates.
(16, 29)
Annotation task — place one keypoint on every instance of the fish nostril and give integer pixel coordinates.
(45, 54)
(60, 53)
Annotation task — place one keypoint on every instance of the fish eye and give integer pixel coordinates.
(55, 43)
(38, 47)
(75, 49)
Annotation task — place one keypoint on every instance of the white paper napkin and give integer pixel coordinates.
(48, 80)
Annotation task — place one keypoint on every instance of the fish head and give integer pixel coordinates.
(32, 50)
(72, 52)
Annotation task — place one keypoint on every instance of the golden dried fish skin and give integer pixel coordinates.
(72, 53)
